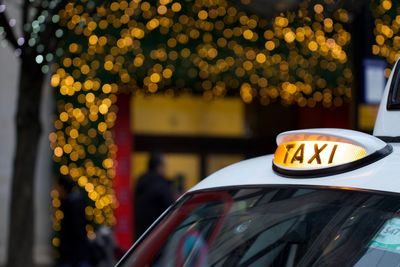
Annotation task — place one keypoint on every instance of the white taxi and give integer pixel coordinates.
(327, 197)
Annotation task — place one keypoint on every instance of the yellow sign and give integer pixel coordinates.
(304, 155)
(187, 115)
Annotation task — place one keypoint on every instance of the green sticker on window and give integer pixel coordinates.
(388, 238)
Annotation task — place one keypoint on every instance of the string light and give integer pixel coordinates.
(386, 31)
(210, 48)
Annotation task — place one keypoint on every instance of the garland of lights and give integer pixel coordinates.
(298, 57)
(387, 29)
(221, 50)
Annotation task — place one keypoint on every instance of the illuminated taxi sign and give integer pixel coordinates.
(321, 152)
(316, 154)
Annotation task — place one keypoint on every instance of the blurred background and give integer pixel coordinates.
(90, 88)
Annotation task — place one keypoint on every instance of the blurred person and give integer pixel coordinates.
(75, 250)
(153, 194)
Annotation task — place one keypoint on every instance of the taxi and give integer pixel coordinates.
(327, 197)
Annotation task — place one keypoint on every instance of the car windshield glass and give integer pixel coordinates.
(275, 227)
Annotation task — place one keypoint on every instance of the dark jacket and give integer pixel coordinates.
(153, 195)
(74, 247)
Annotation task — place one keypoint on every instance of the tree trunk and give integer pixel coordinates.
(28, 129)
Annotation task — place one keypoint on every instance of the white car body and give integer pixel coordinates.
(382, 175)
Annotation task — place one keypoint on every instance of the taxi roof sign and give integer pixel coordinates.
(320, 152)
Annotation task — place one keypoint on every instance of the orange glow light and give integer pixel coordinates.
(304, 155)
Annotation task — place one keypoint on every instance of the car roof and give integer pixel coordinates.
(382, 175)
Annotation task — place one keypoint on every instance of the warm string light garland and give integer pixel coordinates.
(386, 31)
(207, 47)
(298, 57)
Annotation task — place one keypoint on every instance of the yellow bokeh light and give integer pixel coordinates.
(318, 8)
(74, 133)
(203, 15)
(145, 6)
(93, 195)
(153, 87)
(152, 24)
(290, 37)
(55, 80)
(108, 163)
(56, 242)
(85, 69)
(90, 98)
(67, 148)
(88, 85)
(155, 77)
(64, 170)
(108, 65)
(176, 7)
(82, 181)
(103, 109)
(167, 73)
(64, 116)
(106, 88)
(58, 152)
(270, 45)
(387, 4)
(247, 65)
(380, 40)
(162, 10)
(69, 81)
(102, 127)
(89, 187)
(313, 46)
(93, 39)
(138, 61)
(73, 48)
(248, 34)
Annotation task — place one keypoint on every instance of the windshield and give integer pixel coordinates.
(275, 227)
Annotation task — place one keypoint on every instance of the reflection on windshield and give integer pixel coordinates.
(275, 227)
